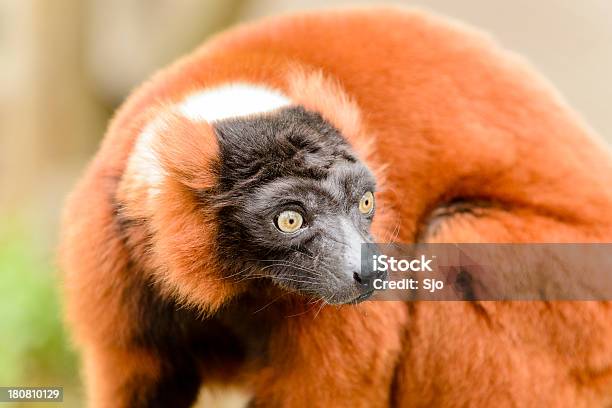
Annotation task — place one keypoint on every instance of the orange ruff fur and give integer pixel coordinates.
(438, 111)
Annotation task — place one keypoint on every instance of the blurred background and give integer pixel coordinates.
(67, 64)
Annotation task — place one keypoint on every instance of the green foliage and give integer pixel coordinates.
(33, 344)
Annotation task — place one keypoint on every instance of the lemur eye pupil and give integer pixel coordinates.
(289, 221)
(366, 204)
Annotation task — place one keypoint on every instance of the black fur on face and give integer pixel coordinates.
(293, 159)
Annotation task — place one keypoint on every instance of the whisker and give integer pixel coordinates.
(313, 303)
(269, 303)
(323, 304)
(283, 278)
(282, 262)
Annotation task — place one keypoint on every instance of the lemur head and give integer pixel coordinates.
(277, 193)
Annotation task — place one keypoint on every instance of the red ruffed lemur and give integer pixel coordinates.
(215, 237)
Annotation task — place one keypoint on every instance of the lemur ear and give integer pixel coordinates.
(169, 149)
(186, 150)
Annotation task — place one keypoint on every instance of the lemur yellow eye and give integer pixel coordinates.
(289, 221)
(366, 204)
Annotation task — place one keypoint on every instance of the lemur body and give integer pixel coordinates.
(183, 266)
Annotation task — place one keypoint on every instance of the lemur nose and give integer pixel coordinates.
(364, 279)
(357, 277)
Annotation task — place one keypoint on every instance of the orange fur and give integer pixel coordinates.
(437, 111)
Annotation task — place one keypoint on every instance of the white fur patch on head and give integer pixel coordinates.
(230, 101)
(144, 174)
(144, 162)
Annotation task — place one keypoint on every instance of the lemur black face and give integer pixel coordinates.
(295, 204)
